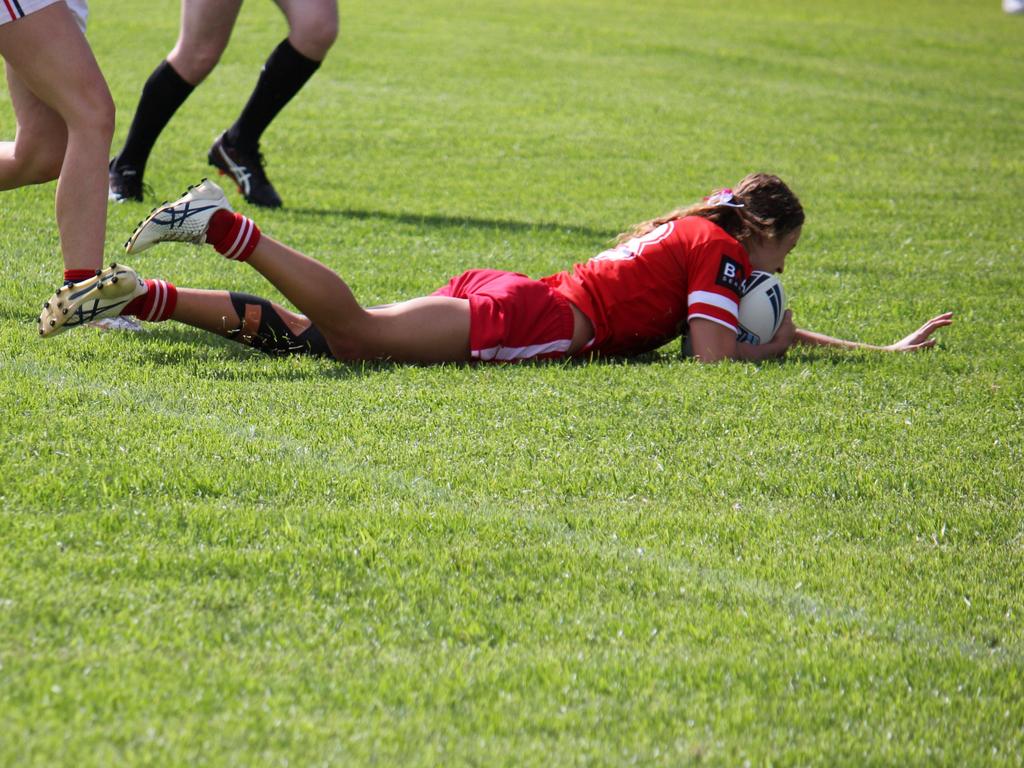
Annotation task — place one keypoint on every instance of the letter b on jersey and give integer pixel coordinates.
(731, 275)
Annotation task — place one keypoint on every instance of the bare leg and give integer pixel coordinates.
(249, 320)
(312, 26)
(214, 311)
(207, 310)
(37, 152)
(205, 31)
(50, 56)
(431, 329)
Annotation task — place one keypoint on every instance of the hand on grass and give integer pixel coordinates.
(921, 338)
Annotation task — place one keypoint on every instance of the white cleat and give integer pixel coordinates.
(105, 294)
(185, 220)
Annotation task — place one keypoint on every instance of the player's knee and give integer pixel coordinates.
(343, 348)
(195, 61)
(314, 37)
(204, 64)
(46, 166)
(40, 163)
(93, 115)
(99, 125)
(105, 115)
(351, 340)
(38, 155)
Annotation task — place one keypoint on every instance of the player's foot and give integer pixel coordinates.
(185, 220)
(104, 294)
(245, 166)
(1013, 6)
(125, 182)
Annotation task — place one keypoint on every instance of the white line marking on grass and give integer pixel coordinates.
(296, 450)
(799, 605)
(795, 604)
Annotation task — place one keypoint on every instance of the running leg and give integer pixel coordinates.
(206, 27)
(37, 152)
(49, 54)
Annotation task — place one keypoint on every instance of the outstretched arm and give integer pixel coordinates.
(919, 339)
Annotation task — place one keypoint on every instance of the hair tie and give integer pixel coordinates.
(724, 197)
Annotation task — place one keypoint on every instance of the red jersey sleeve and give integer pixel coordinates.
(717, 270)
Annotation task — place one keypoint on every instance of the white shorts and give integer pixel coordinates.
(12, 10)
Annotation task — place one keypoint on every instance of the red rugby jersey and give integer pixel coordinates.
(642, 293)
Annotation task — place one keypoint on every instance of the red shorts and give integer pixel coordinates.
(511, 316)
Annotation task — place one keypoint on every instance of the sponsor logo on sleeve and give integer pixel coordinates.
(731, 275)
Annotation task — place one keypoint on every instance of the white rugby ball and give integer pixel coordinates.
(761, 308)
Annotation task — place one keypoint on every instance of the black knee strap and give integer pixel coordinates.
(264, 329)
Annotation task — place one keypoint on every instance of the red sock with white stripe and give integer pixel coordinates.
(78, 275)
(233, 235)
(156, 304)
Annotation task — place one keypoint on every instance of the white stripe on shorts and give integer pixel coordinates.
(12, 10)
(522, 353)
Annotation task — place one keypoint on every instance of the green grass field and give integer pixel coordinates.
(211, 557)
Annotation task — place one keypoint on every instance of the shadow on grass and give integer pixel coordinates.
(454, 222)
(216, 358)
(220, 359)
(213, 354)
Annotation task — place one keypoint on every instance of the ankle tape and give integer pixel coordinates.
(263, 328)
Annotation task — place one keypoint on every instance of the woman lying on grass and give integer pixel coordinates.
(683, 270)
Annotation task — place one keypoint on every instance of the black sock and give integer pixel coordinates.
(284, 74)
(163, 93)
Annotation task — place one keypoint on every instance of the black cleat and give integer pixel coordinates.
(245, 166)
(125, 182)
